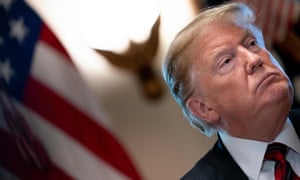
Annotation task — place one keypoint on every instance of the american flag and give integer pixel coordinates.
(51, 127)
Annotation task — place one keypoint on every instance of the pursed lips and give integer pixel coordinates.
(265, 78)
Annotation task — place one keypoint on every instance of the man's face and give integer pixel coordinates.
(239, 79)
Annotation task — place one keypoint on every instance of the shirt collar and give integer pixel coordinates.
(249, 154)
(289, 137)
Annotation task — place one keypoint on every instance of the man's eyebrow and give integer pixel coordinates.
(219, 51)
(246, 34)
(224, 49)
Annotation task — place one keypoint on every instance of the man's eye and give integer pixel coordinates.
(253, 43)
(227, 61)
(227, 64)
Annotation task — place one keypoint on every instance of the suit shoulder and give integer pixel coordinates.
(295, 113)
(216, 164)
(203, 169)
(211, 165)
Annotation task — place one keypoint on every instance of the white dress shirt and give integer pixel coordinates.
(249, 154)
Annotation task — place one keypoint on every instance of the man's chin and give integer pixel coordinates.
(278, 94)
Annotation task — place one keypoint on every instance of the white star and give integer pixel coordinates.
(6, 4)
(6, 71)
(18, 29)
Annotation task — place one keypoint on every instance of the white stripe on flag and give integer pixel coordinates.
(67, 153)
(52, 70)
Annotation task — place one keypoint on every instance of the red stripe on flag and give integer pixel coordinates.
(11, 159)
(78, 125)
(48, 37)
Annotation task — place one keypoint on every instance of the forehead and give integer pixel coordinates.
(217, 32)
(215, 37)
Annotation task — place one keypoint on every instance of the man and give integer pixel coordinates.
(226, 81)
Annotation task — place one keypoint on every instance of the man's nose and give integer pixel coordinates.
(252, 60)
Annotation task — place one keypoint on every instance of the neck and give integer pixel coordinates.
(266, 132)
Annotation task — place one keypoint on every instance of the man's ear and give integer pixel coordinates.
(200, 109)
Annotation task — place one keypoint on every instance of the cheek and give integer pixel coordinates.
(226, 90)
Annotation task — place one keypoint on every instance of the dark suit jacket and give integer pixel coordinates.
(218, 164)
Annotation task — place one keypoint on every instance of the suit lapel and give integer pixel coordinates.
(230, 168)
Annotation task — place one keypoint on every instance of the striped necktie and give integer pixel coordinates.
(283, 170)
